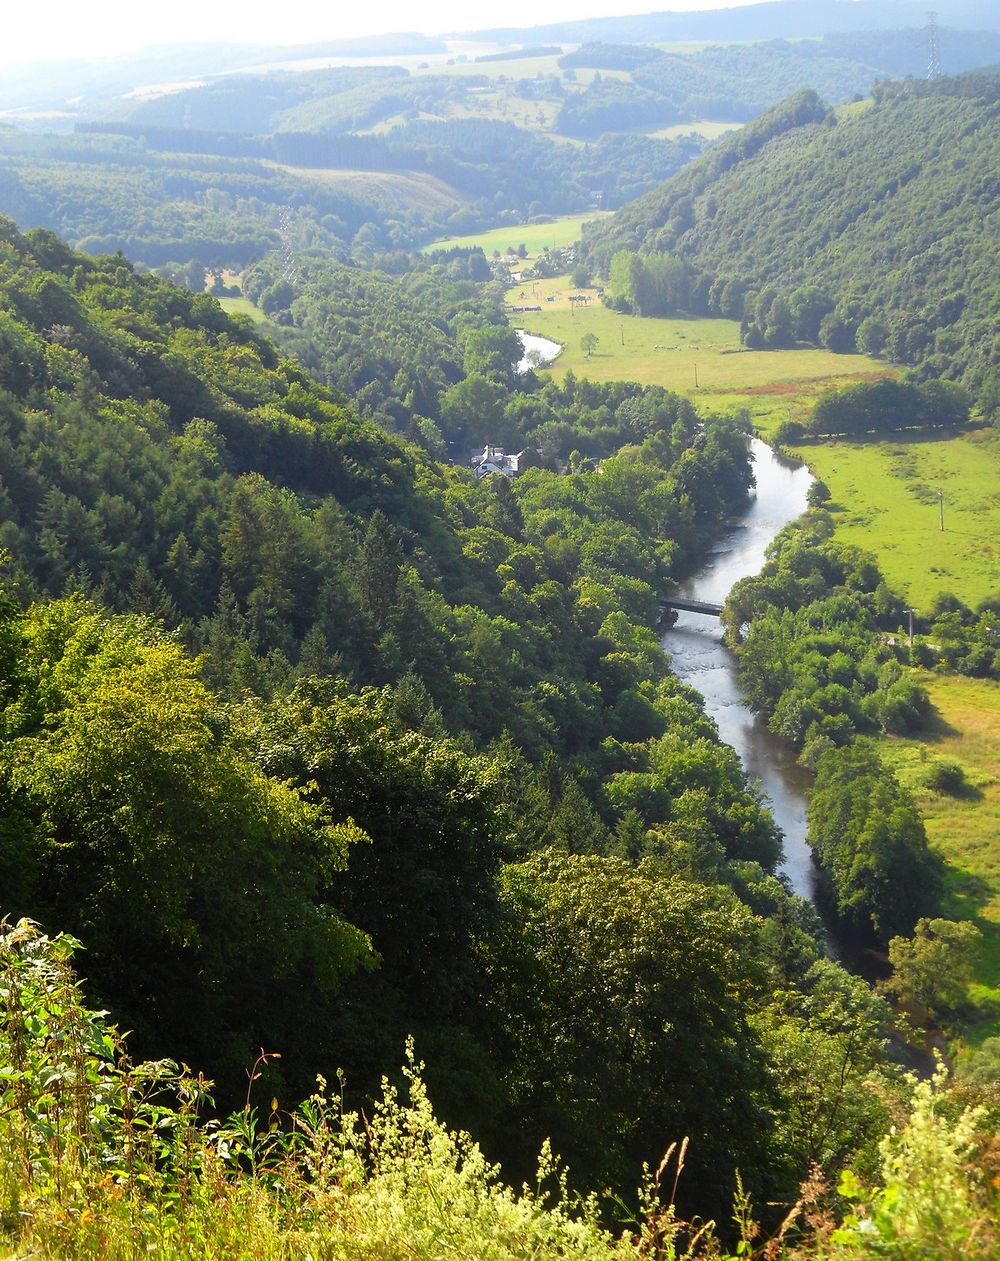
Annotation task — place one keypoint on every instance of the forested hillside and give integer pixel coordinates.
(874, 226)
(170, 196)
(430, 735)
(318, 745)
(739, 81)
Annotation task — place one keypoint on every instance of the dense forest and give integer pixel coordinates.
(430, 766)
(739, 81)
(359, 789)
(870, 227)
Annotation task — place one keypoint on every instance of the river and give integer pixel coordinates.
(537, 350)
(701, 659)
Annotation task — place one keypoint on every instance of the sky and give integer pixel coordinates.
(59, 29)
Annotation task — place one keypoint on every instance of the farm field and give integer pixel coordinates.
(515, 67)
(963, 827)
(886, 501)
(670, 352)
(563, 230)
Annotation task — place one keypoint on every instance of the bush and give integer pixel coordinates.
(788, 433)
(945, 776)
(818, 494)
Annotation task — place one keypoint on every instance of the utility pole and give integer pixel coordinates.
(941, 509)
(621, 329)
(695, 376)
(910, 612)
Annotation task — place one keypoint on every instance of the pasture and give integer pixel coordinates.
(699, 357)
(885, 499)
(556, 232)
(963, 827)
(243, 306)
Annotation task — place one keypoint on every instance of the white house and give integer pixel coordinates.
(496, 460)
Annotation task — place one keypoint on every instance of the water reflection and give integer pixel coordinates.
(702, 660)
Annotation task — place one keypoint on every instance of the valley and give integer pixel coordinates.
(352, 751)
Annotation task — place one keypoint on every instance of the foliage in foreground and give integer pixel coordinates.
(103, 1158)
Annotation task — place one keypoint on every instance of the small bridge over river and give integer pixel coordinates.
(676, 604)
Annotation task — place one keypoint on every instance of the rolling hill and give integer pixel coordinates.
(874, 225)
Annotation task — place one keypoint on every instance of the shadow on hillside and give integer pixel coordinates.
(935, 728)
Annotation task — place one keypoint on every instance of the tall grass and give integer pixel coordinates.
(104, 1159)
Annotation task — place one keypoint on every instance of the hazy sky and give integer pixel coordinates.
(78, 28)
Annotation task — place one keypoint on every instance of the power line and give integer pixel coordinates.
(933, 47)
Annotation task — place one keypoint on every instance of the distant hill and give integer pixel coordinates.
(886, 214)
(738, 81)
(774, 20)
(52, 84)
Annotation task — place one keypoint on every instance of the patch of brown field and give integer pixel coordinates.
(814, 385)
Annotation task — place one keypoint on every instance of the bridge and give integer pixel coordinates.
(690, 606)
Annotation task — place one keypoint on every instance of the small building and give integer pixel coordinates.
(496, 460)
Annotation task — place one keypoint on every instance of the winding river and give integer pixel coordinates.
(700, 658)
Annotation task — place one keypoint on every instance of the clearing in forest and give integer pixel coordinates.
(243, 306)
(552, 234)
(702, 358)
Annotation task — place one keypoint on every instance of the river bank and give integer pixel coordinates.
(700, 658)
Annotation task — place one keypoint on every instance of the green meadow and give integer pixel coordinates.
(698, 357)
(243, 306)
(563, 230)
(885, 497)
(710, 130)
(964, 827)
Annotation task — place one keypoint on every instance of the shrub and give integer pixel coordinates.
(945, 776)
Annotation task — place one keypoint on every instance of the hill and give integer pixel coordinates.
(777, 19)
(318, 744)
(266, 669)
(873, 226)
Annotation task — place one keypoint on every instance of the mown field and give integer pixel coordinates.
(700, 357)
(886, 500)
(563, 230)
(414, 190)
(965, 828)
(243, 306)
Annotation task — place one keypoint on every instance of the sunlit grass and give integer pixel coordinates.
(886, 497)
(710, 130)
(699, 357)
(243, 306)
(562, 230)
(965, 828)
(405, 189)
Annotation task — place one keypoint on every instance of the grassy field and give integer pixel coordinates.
(515, 67)
(711, 131)
(243, 306)
(403, 189)
(964, 828)
(672, 352)
(886, 497)
(563, 230)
